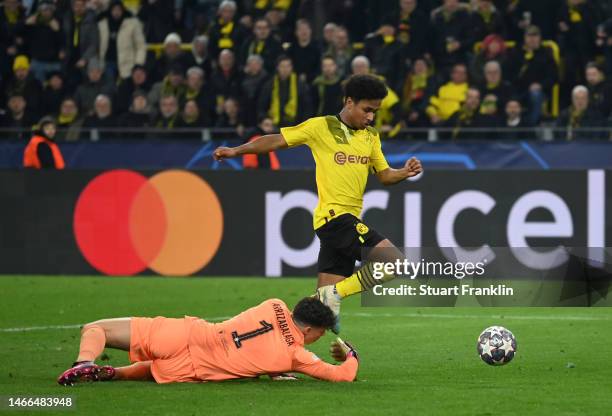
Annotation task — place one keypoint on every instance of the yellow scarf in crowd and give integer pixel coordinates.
(132, 5)
(64, 119)
(321, 83)
(77, 29)
(170, 122)
(168, 89)
(226, 42)
(465, 114)
(486, 15)
(419, 82)
(290, 109)
(191, 94)
(226, 28)
(574, 14)
(447, 15)
(414, 87)
(575, 118)
(190, 119)
(277, 4)
(11, 16)
(528, 57)
(256, 47)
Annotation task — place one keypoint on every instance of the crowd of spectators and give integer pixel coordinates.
(108, 65)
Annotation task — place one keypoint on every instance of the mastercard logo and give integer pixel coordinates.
(171, 223)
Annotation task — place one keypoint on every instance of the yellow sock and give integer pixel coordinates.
(360, 281)
(349, 286)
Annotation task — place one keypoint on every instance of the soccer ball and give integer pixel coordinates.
(496, 345)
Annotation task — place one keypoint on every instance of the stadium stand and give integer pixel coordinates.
(57, 53)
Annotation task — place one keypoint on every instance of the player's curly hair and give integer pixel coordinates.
(365, 87)
(312, 312)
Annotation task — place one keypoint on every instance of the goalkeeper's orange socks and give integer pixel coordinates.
(93, 341)
(362, 280)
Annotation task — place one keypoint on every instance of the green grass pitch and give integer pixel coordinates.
(414, 361)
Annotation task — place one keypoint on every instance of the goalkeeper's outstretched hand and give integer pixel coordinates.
(341, 350)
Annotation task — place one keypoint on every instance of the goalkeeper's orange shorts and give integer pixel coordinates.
(164, 342)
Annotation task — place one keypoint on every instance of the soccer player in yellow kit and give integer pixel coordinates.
(346, 149)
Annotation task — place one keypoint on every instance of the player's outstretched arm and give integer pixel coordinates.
(307, 363)
(392, 176)
(263, 144)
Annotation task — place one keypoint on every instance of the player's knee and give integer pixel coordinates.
(385, 251)
(95, 324)
(88, 326)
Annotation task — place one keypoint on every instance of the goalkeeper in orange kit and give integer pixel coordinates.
(266, 339)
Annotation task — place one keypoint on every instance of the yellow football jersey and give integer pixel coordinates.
(343, 157)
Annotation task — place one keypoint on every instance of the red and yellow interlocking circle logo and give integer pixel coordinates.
(171, 223)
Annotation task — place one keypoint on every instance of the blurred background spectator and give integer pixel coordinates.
(600, 89)
(43, 41)
(17, 120)
(192, 119)
(285, 97)
(416, 93)
(81, 40)
(199, 55)
(219, 60)
(122, 42)
(53, 93)
(580, 118)
(327, 88)
(265, 161)
(255, 76)
(450, 96)
(12, 16)
(452, 33)
(69, 121)
(42, 152)
(534, 72)
(102, 119)
(516, 126)
(94, 85)
(25, 84)
(172, 57)
(138, 81)
(261, 43)
(305, 52)
(167, 117)
(226, 32)
(138, 115)
(225, 80)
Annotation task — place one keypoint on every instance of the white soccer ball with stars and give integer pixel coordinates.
(496, 345)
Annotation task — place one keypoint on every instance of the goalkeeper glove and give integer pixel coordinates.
(341, 350)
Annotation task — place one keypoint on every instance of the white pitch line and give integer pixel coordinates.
(374, 315)
(40, 328)
(464, 316)
(75, 326)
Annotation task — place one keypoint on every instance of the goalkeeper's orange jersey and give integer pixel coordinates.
(261, 340)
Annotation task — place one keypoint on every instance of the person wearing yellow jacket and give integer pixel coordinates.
(449, 97)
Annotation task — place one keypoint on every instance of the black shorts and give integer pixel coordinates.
(342, 241)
